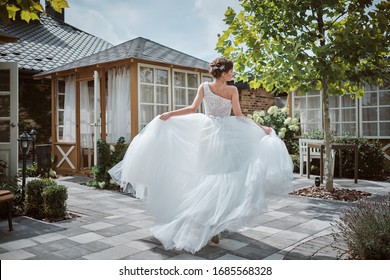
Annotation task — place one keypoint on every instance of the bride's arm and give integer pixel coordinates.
(186, 110)
(238, 113)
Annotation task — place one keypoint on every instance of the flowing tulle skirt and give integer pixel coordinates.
(201, 175)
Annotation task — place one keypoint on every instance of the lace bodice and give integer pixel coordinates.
(215, 105)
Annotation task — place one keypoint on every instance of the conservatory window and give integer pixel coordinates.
(153, 93)
(185, 87)
(375, 117)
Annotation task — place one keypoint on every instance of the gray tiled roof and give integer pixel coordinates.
(47, 44)
(139, 48)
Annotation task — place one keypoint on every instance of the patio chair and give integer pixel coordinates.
(314, 153)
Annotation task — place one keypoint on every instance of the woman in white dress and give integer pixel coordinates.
(202, 174)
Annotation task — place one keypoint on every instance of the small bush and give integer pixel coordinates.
(34, 198)
(54, 202)
(366, 229)
(108, 156)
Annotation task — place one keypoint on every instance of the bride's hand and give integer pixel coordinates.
(267, 129)
(165, 116)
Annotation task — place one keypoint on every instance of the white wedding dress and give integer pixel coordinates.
(201, 174)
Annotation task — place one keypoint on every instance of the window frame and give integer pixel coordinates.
(188, 101)
(377, 107)
(141, 125)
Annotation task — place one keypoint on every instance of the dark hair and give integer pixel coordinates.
(219, 66)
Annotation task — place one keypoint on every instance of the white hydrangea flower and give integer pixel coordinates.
(285, 110)
(287, 121)
(102, 184)
(112, 148)
(262, 113)
(281, 134)
(272, 110)
(294, 121)
(283, 129)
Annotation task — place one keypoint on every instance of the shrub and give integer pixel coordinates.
(34, 198)
(366, 229)
(371, 158)
(108, 156)
(54, 202)
(284, 126)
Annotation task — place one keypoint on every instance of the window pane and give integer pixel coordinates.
(300, 103)
(147, 94)
(207, 79)
(61, 86)
(335, 127)
(191, 95)
(61, 101)
(312, 116)
(369, 114)
(349, 129)
(5, 106)
(161, 77)
(347, 101)
(180, 79)
(370, 129)
(146, 75)
(312, 127)
(384, 113)
(180, 96)
(384, 98)
(348, 115)
(60, 133)
(5, 131)
(334, 101)
(5, 80)
(161, 109)
(385, 129)
(370, 87)
(147, 113)
(369, 99)
(334, 115)
(162, 95)
(313, 102)
(61, 117)
(192, 80)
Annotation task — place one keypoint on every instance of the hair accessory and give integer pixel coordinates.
(218, 67)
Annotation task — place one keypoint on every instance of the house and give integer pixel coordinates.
(360, 117)
(25, 50)
(115, 93)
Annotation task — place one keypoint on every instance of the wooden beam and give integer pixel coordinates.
(134, 99)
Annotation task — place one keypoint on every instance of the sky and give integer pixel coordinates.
(189, 26)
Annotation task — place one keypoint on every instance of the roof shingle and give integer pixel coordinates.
(47, 44)
(139, 48)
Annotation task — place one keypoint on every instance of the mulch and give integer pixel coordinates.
(340, 194)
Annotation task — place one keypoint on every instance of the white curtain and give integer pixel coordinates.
(86, 115)
(118, 104)
(70, 109)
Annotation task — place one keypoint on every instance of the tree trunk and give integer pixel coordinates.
(327, 136)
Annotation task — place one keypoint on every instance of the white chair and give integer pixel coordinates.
(314, 153)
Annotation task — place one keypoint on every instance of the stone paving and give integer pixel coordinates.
(115, 226)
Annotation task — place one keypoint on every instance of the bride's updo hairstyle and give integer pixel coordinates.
(219, 66)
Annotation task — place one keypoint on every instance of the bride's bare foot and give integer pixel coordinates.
(215, 239)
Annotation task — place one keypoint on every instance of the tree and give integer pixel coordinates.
(332, 45)
(27, 9)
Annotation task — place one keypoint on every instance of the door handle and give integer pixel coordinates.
(12, 125)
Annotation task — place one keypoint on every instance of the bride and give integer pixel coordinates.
(201, 174)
